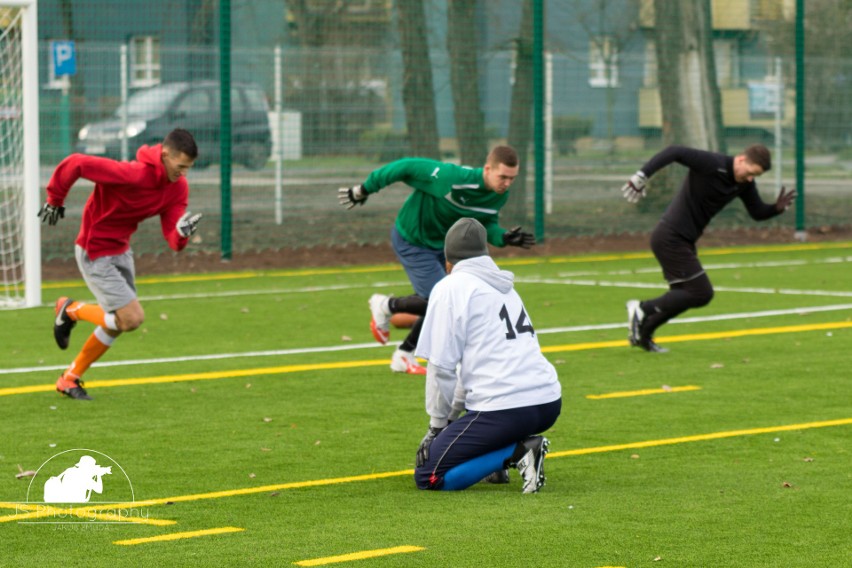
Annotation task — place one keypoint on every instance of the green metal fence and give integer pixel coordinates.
(318, 99)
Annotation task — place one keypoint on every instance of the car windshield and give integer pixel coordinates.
(151, 102)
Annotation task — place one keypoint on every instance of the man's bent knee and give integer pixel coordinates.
(700, 295)
(130, 317)
(129, 323)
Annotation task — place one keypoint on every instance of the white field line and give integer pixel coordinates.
(211, 357)
(238, 293)
(743, 289)
(372, 345)
(701, 319)
(302, 290)
(721, 266)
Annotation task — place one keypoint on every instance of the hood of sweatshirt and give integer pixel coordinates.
(153, 156)
(484, 268)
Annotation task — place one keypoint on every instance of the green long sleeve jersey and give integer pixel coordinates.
(444, 193)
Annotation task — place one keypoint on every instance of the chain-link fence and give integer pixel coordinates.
(323, 92)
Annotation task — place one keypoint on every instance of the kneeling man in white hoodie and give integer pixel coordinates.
(478, 335)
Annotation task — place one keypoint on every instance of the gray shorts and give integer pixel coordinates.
(110, 278)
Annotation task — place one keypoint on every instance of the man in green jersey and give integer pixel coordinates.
(444, 193)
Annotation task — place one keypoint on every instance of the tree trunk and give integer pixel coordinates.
(464, 77)
(520, 117)
(418, 94)
(689, 95)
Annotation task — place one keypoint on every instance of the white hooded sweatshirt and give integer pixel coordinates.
(477, 323)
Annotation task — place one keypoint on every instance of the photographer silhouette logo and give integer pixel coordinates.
(76, 484)
(80, 486)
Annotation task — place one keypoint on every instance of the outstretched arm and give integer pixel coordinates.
(700, 161)
(95, 169)
(759, 210)
(696, 160)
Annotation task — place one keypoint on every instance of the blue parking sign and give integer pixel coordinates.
(63, 58)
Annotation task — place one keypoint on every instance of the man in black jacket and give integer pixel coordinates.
(713, 181)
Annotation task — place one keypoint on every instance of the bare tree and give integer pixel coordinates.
(418, 93)
(689, 94)
(520, 115)
(464, 77)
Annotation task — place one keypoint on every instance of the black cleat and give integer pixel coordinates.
(63, 324)
(500, 476)
(635, 317)
(531, 464)
(650, 346)
(72, 388)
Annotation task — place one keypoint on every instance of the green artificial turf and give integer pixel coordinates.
(751, 468)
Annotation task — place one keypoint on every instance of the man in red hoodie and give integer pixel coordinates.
(125, 194)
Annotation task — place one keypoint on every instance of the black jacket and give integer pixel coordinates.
(707, 189)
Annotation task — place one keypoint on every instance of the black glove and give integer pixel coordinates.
(51, 213)
(425, 443)
(349, 197)
(785, 199)
(514, 237)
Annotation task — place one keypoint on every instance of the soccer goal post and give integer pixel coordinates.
(20, 236)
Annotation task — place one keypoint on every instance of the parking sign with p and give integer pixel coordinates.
(63, 58)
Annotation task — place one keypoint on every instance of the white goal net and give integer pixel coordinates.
(20, 254)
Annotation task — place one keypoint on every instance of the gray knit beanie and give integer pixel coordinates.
(467, 238)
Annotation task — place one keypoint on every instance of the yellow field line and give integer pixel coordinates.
(203, 376)
(254, 490)
(700, 438)
(171, 279)
(757, 331)
(359, 555)
(502, 261)
(698, 336)
(178, 536)
(407, 472)
(376, 362)
(643, 392)
(704, 252)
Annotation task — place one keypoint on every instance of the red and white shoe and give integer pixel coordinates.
(380, 321)
(406, 362)
(72, 387)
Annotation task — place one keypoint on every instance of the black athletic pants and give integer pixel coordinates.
(689, 286)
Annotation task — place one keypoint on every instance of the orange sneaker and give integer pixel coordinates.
(72, 388)
(406, 362)
(63, 324)
(380, 321)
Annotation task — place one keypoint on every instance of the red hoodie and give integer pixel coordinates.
(125, 194)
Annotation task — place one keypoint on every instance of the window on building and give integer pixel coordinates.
(726, 56)
(144, 61)
(603, 62)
